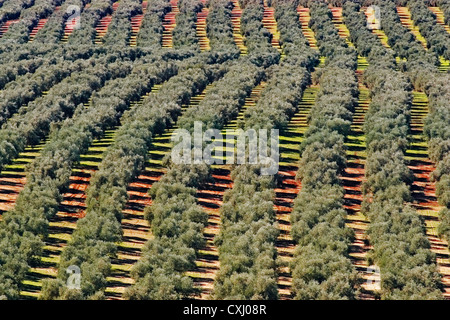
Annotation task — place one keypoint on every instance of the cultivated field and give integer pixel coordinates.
(93, 206)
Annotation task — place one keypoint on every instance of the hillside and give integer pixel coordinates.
(93, 204)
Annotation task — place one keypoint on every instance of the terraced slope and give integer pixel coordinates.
(136, 22)
(201, 29)
(169, 24)
(135, 227)
(210, 197)
(271, 25)
(289, 187)
(102, 26)
(424, 190)
(354, 173)
(440, 19)
(236, 14)
(406, 20)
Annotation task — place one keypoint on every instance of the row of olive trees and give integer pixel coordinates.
(176, 219)
(28, 127)
(19, 32)
(321, 268)
(53, 30)
(24, 227)
(12, 9)
(246, 242)
(445, 7)
(75, 135)
(119, 30)
(438, 39)
(219, 30)
(401, 249)
(31, 86)
(151, 31)
(11, 71)
(90, 17)
(257, 39)
(184, 34)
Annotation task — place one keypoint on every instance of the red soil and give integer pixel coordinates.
(102, 26)
(271, 25)
(4, 28)
(201, 29)
(136, 22)
(10, 188)
(70, 26)
(285, 193)
(169, 24)
(136, 232)
(210, 197)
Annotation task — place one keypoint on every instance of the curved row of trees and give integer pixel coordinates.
(438, 39)
(151, 30)
(177, 221)
(219, 30)
(298, 56)
(107, 194)
(184, 35)
(26, 225)
(119, 30)
(246, 242)
(12, 9)
(401, 249)
(53, 30)
(257, 39)
(31, 86)
(20, 32)
(60, 102)
(321, 268)
(85, 35)
(444, 5)
(11, 71)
